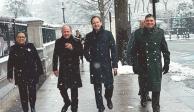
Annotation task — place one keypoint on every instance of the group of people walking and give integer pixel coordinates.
(100, 51)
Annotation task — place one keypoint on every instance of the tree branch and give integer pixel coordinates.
(94, 0)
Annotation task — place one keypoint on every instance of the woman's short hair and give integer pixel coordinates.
(21, 32)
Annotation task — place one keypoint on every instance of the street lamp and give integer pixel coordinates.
(63, 9)
(154, 7)
(110, 19)
(14, 27)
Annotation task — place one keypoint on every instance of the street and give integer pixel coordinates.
(182, 52)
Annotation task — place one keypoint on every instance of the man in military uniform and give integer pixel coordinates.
(149, 43)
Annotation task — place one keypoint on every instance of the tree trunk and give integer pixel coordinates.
(165, 4)
(122, 26)
(138, 6)
(143, 3)
(102, 9)
(148, 7)
(135, 6)
(193, 2)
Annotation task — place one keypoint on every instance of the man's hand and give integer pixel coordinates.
(10, 80)
(56, 73)
(115, 71)
(69, 46)
(165, 69)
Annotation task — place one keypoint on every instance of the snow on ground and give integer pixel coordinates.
(124, 69)
(180, 72)
(174, 37)
(177, 71)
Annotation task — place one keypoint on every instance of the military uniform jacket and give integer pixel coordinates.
(147, 49)
(69, 72)
(24, 64)
(100, 51)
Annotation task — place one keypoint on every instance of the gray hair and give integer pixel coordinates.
(66, 26)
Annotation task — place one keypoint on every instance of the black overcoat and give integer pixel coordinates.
(147, 48)
(24, 64)
(100, 51)
(69, 71)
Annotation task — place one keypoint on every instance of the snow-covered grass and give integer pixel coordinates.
(180, 72)
(177, 72)
(174, 37)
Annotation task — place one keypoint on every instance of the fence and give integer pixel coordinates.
(7, 37)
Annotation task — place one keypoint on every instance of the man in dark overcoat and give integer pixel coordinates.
(100, 51)
(67, 51)
(25, 66)
(149, 43)
(130, 56)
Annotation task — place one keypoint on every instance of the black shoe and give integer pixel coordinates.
(109, 104)
(101, 110)
(156, 110)
(148, 98)
(74, 110)
(65, 107)
(33, 110)
(143, 102)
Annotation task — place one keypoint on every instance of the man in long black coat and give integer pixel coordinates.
(130, 56)
(100, 51)
(26, 65)
(67, 50)
(149, 43)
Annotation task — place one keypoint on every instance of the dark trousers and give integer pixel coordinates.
(74, 97)
(27, 93)
(143, 84)
(156, 100)
(98, 94)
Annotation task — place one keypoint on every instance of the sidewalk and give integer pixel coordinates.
(175, 97)
(125, 98)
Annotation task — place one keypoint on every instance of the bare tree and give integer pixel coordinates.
(143, 3)
(166, 4)
(138, 5)
(136, 1)
(93, 5)
(122, 28)
(17, 7)
(193, 2)
(148, 5)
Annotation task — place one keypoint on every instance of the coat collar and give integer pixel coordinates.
(96, 33)
(70, 38)
(20, 45)
(150, 31)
